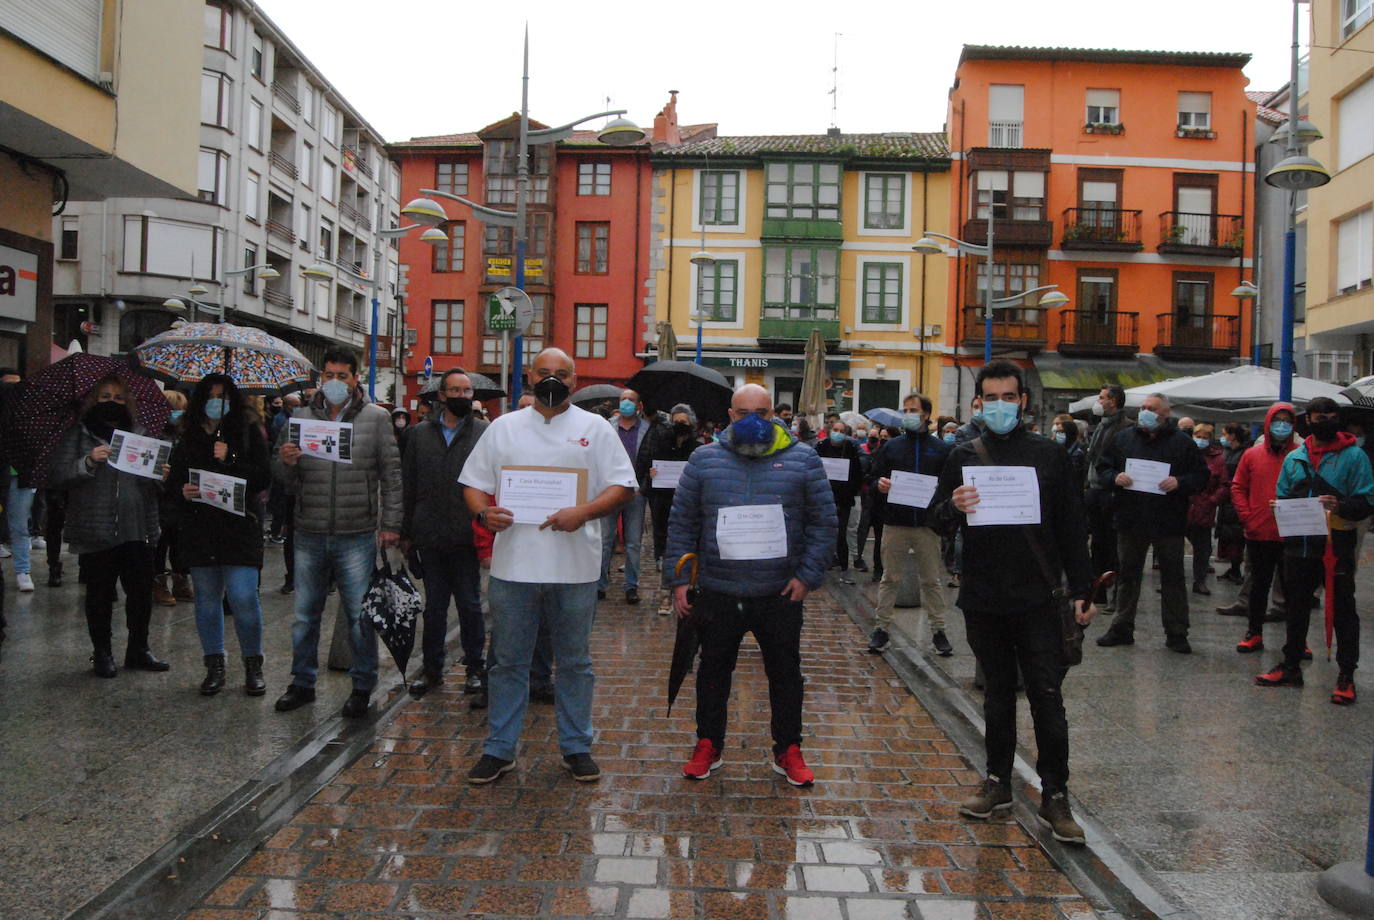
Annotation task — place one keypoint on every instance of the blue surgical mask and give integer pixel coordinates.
(215, 407)
(1001, 417)
(627, 408)
(837, 437)
(1060, 437)
(176, 414)
(1281, 431)
(752, 435)
(949, 437)
(335, 391)
(1201, 442)
(913, 422)
(977, 414)
(1148, 420)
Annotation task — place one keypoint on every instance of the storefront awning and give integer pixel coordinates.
(737, 361)
(1086, 375)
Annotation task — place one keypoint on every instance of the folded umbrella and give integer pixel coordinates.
(688, 640)
(664, 384)
(392, 606)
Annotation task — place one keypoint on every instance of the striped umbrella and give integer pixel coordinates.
(258, 363)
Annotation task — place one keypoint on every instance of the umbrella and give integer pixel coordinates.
(811, 400)
(483, 387)
(259, 363)
(596, 393)
(664, 384)
(47, 403)
(688, 641)
(667, 342)
(888, 418)
(1236, 394)
(392, 605)
(854, 420)
(1361, 392)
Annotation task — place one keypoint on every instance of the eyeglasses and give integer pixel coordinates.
(459, 391)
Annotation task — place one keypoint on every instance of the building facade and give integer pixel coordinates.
(92, 106)
(285, 174)
(1126, 179)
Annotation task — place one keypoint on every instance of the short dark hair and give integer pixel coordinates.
(341, 356)
(997, 370)
(443, 378)
(924, 400)
(1238, 431)
(783, 407)
(1115, 393)
(1323, 404)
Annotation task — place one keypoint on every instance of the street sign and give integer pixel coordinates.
(429, 366)
(509, 310)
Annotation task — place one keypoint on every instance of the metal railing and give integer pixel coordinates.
(1198, 332)
(285, 95)
(1209, 231)
(353, 214)
(277, 298)
(279, 161)
(1004, 133)
(279, 229)
(359, 160)
(1088, 329)
(1101, 225)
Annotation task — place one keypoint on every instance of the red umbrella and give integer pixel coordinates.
(1329, 562)
(48, 402)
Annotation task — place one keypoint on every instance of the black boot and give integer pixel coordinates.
(253, 682)
(214, 675)
(102, 661)
(55, 574)
(143, 659)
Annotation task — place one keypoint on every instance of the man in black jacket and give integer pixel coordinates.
(438, 525)
(1146, 517)
(1111, 409)
(845, 472)
(1006, 596)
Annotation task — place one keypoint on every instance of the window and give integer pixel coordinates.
(591, 331)
(68, 249)
(451, 177)
(156, 246)
(1096, 302)
(329, 124)
(719, 197)
(214, 99)
(321, 298)
(307, 165)
(800, 282)
(501, 167)
(593, 248)
(882, 293)
(1355, 125)
(498, 249)
(1192, 303)
(718, 289)
(1194, 111)
(992, 194)
(219, 27)
(1104, 106)
(804, 191)
(1354, 15)
(212, 176)
(326, 250)
(1354, 252)
(884, 201)
(250, 279)
(328, 180)
(1336, 367)
(1027, 200)
(447, 335)
(448, 255)
(253, 124)
(1008, 278)
(1006, 106)
(308, 96)
(257, 61)
(252, 191)
(593, 178)
(305, 227)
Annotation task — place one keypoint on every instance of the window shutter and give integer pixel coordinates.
(1029, 185)
(1104, 97)
(1099, 191)
(1355, 124)
(68, 31)
(1006, 102)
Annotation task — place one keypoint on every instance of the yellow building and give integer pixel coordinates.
(98, 98)
(1339, 216)
(808, 231)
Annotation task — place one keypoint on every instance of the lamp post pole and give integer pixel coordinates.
(522, 184)
(987, 294)
(1290, 236)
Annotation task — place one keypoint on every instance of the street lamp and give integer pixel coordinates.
(177, 304)
(617, 133)
(702, 260)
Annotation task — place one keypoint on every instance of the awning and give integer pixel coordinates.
(1084, 375)
(753, 360)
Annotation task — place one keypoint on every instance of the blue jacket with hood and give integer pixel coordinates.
(789, 474)
(1343, 471)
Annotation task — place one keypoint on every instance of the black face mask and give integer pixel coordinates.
(682, 429)
(551, 391)
(104, 417)
(1325, 430)
(459, 406)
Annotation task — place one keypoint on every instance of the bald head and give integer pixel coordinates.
(751, 398)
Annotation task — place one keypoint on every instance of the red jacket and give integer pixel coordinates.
(1256, 477)
(1202, 506)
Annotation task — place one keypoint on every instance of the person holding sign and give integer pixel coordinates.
(112, 522)
(757, 509)
(1008, 592)
(555, 470)
(844, 468)
(220, 465)
(662, 457)
(1152, 469)
(1330, 466)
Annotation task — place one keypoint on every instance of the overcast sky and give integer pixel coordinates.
(418, 67)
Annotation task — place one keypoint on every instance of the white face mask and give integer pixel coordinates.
(1099, 410)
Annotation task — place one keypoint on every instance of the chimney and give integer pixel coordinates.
(665, 123)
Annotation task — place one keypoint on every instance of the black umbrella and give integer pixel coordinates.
(393, 605)
(664, 384)
(483, 387)
(596, 393)
(688, 641)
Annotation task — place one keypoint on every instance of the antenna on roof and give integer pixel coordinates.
(835, 82)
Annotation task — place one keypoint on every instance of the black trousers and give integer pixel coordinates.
(1101, 531)
(844, 505)
(452, 572)
(660, 506)
(1265, 559)
(1001, 641)
(1302, 577)
(1200, 540)
(132, 564)
(776, 624)
(289, 531)
(56, 520)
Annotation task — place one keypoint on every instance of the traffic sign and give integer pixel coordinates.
(509, 310)
(429, 366)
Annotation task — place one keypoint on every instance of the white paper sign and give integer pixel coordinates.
(751, 532)
(1006, 495)
(1146, 475)
(532, 495)
(323, 440)
(914, 489)
(1300, 517)
(836, 468)
(667, 473)
(142, 456)
(227, 493)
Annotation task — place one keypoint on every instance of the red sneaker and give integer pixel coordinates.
(1344, 694)
(790, 764)
(705, 759)
(1253, 642)
(1281, 676)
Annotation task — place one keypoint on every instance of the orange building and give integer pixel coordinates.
(1124, 178)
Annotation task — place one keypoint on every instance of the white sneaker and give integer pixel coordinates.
(38, 543)
(5, 551)
(23, 580)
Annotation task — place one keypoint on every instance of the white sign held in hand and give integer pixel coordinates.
(1300, 517)
(323, 440)
(667, 473)
(914, 489)
(139, 455)
(1146, 475)
(751, 532)
(227, 493)
(1006, 495)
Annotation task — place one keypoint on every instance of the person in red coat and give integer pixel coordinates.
(1202, 506)
(1252, 489)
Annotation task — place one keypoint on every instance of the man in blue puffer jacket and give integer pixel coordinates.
(757, 509)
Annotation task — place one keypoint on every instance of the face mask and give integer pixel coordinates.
(978, 414)
(335, 391)
(682, 429)
(1359, 441)
(1201, 443)
(1001, 417)
(104, 417)
(949, 437)
(1099, 410)
(861, 434)
(399, 423)
(1060, 437)
(215, 408)
(1281, 431)
(1225, 442)
(551, 391)
(752, 435)
(458, 406)
(176, 414)
(837, 437)
(1325, 431)
(1148, 420)
(627, 408)
(913, 422)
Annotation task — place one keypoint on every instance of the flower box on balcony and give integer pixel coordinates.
(1103, 128)
(1205, 134)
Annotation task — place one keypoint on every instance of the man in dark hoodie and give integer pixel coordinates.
(1146, 518)
(1330, 465)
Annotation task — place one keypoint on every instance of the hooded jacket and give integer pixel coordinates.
(1202, 506)
(1257, 476)
(1143, 512)
(910, 453)
(1341, 469)
(716, 477)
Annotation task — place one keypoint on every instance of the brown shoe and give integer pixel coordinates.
(161, 594)
(992, 795)
(181, 588)
(1054, 813)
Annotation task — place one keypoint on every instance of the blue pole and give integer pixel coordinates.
(372, 348)
(987, 336)
(1369, 839)
(699, 325)
(1290, 258)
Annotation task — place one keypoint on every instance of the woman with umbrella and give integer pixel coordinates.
(221, 434)
(112, 523)
(673, 442)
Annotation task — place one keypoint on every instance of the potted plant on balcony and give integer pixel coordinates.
(1189, 131)
(1103, 127)
(1176, 233)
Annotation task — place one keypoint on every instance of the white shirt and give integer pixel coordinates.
(575, 439)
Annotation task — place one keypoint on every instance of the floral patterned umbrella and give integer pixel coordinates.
(259, 363)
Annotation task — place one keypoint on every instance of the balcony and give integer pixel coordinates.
(1184, 233)
(1038, 233)
(288, 98)
(1197, 336)
(282, 164)
(1009, 328)
(1102, 230)
(1004, 134)
(280, 230)
(796, 330)
(1098, 332)
(277, 298)
(359, 161)
(353, 214)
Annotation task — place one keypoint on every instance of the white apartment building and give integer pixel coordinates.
(290, 175)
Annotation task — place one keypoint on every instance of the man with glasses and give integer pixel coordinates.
(438, 526)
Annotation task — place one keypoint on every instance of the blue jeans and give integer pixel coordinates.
(452, 572)
(516, 610)
(18, 504)
(633, 517)
(239, 583)
(350, 558)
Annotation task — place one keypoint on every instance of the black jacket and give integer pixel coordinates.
(212, 536)
(1142, 512)
(659, 443)
(844, 490)
(435, 514)
(105, 508)
(900, 453)
(1000, 571)
(1098, 439)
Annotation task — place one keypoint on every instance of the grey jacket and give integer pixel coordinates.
(342, 498)
(105, 508)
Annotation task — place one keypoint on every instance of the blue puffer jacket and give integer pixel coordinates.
(791, 475)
